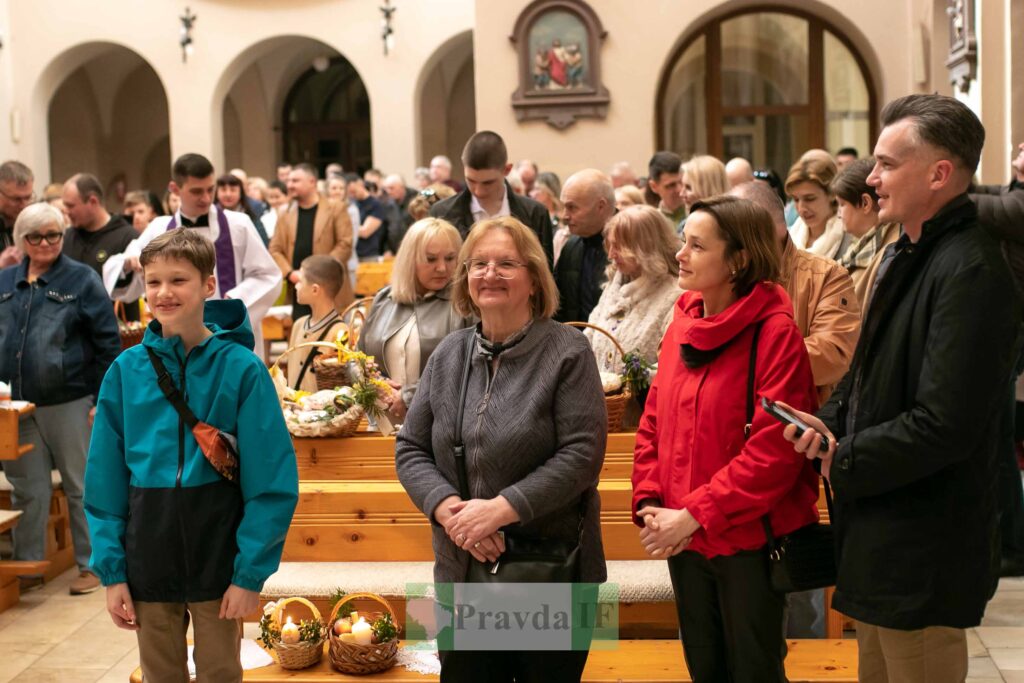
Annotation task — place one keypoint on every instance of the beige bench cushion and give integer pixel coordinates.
(6, 485)
(637, 580)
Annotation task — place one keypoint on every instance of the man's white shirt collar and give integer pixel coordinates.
(479, 213)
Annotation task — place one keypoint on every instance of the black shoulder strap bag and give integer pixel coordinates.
(804, 559)
(219, 448)
(527, 558)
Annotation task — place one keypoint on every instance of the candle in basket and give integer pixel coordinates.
(289, 633)
(362, 632)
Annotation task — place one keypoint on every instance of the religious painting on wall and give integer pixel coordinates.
(559, 43)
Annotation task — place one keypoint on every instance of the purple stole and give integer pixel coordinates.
(225, 252)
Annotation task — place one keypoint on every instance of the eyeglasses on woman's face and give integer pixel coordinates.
(35, 238)
(505, 269)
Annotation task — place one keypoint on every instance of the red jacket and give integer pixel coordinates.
(690, 446)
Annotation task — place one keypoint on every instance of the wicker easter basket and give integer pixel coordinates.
(329, 372)
(352, 658)
(130, 336)
(342, 425)
(303, 654)
(616, 403)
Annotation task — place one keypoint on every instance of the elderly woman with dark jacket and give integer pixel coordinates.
(57, 339)
(410, 317)
(534, 432)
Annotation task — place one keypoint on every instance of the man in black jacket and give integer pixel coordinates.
(588, 201)
(1001, 214)
(918, 416)
(488, 195)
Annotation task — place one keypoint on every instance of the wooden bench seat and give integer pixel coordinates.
(374, 520)
(60, 552)
(368, 457)
(808, 661)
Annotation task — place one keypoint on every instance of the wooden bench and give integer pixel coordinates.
(372, 276)
(60, 552)
(808, 661)
(10, 570)
(10, 449)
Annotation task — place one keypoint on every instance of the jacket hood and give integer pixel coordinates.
(227, 319)
(705, 334)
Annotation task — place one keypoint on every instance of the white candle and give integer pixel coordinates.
(362, 632)
(290, 633)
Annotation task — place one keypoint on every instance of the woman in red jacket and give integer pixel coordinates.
(703, 478)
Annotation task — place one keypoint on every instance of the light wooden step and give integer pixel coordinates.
(808, 661)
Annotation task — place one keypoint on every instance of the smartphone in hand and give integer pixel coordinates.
(786, 417)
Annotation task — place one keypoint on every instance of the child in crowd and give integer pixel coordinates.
(320, 280)
(191, 480)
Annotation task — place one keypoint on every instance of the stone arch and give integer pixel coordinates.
(250, 95)
(106, 111)
(445, 100)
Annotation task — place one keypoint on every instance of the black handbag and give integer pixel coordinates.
(804, 559)
(527, 558)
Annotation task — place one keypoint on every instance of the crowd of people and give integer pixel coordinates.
(875, 298)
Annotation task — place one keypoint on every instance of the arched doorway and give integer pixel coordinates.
(446, 97)
(765, 85)
(326, 117)
(268, 96)
(109, 117)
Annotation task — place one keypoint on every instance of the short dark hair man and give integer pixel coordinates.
(488, 194)
(845, 157)
(15, 194)
(664, 180)
(588, 201)
(244, 268)
(918, 416)
(310, 225)
(372, 217)
(95, 234)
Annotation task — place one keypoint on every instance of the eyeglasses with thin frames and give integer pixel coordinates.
(505, 269)
(20, 198)
(35, 239)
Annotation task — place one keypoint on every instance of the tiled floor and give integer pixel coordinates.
(51, 636)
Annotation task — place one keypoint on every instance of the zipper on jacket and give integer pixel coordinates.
(481, 408)
(178, 492)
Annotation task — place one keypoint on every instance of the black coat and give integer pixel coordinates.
(575, 304)
(914, 475)
(532, 213)
(1001, 214)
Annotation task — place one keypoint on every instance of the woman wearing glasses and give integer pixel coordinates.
(533, 426)
(411, 316)
(58, 337)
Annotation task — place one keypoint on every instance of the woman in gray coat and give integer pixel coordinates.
(534, 430)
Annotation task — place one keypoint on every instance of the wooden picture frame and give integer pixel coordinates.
(559, 52)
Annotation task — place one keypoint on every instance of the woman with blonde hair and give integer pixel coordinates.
(628, 195)
(703, 176)
(521, 396)
(410, 317)
(818, 229)
(636, 305)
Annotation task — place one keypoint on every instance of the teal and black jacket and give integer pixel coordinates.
(160, 516)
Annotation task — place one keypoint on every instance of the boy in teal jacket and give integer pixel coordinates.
(171, 537)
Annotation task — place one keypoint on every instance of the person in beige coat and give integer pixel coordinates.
(825, 306)
(331, 232)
